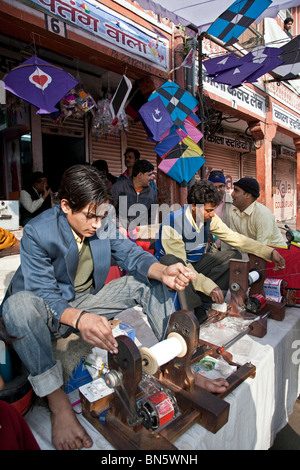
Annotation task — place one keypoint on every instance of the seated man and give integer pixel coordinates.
(59, 288)
(134, 198)
(183, 236)
(251, 218)
(35, 198)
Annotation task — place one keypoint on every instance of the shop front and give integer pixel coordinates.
(98, 44)
(253, 131)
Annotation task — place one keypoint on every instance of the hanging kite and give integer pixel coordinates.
(253, 65)
(236, 19)
(290, 56)
(40, 83)
(155, 119)
(169, 117)
(178, 102)
(183, 160)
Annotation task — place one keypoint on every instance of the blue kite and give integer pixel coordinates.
(236, 19)
(178, 102)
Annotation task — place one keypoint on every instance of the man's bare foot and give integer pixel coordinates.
(213, 386)
(67, 432)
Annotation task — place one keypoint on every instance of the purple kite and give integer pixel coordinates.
(40, 83)
(155, 119)
(235, 71)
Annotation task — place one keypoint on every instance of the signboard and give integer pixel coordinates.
(286, 119)
(241, 97)
(109, 26)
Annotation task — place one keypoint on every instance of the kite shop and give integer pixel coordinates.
(107, 70)
(253, 131)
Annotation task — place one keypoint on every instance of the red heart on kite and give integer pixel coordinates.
(40, 79)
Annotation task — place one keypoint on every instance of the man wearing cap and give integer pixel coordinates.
(183, 237)
(288, 23)
(225, 207)
(251, 218)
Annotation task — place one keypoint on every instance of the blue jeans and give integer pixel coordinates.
(29, 318)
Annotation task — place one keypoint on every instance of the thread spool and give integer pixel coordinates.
(255, 303)
(163, 352)
(253, 276)
(275, 287)
(157, 409)
(274, 298)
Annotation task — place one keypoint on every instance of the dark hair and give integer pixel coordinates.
(203, 192)
(101, 165)
(137, 154)
(288, 20)
(37, 176)
(82, 185)
(141, 166)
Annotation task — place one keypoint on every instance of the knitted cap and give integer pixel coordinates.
(250, 185)
(217, 176)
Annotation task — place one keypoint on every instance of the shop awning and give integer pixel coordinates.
(197, 15)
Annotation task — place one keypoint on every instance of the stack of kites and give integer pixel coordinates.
(169, 117)
(234, 71)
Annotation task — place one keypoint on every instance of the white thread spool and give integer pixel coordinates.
(163, 352)
(253, 277)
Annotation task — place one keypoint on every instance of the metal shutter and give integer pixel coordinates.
(108, 148)
(249, 165)
(137, 139)
(72, 127)
(220, 158)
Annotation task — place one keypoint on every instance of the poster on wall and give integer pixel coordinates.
(284, 197)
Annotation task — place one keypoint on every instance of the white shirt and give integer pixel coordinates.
(27, 202)
(257, 222)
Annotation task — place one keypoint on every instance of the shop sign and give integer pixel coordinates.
(288, 152)
(242, 97)
(229, 142)
(286, 119)
(110, 26)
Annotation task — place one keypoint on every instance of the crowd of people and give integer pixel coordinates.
(66, 252)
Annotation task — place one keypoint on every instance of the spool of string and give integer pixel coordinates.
(254, 276)
(163, 352)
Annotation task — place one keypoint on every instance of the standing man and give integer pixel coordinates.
(60, 288)
(35, 198)
(131, 156)
(251, 218)
(287, 28)
(135, 200)
(225, 207)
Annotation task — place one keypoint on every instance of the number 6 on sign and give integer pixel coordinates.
(55, 26)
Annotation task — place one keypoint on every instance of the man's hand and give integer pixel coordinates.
(46, 191)
(217, 295)
(95, 330)
(278, 260)
(177, 276)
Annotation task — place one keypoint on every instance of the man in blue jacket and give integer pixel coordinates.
(60, 287)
